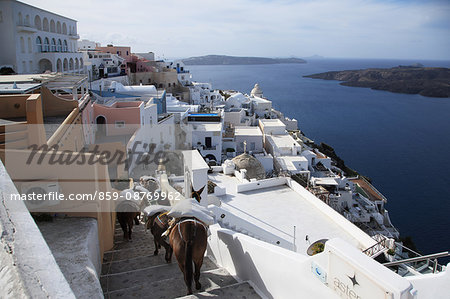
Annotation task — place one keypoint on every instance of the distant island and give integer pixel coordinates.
(415, 79)
(234, 60)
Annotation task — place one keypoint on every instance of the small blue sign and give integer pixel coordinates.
(319, 272)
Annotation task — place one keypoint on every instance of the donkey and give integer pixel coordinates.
(158, 224)
(188, 239)
(127, 213)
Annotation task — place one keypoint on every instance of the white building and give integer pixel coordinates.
(237, 100)
(261, 107)
(252, 137)
(207, 138)
(282, 145)
(292, 165)
(272, 126)
(87, 45)
(99, 64)
(33, 40)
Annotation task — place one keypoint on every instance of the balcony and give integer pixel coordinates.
(26, 28)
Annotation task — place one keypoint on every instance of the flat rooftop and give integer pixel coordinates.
(246, 131)
(206, 127)
(11, 88)
(282, 141)
(278, 210)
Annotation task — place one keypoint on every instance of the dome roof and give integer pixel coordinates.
(254, 168)
(237, 97)
(256, 91)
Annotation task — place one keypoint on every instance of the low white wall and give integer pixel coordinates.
(249, 228)
(432, 285)
(272, 182)
(275, 271)
(364, 240)
(28, 266)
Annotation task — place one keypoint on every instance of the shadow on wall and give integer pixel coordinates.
(243, 262)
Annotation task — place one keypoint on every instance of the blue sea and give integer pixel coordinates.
(402, 142)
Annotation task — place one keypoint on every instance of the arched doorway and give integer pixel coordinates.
(59, 66)
(45, 65)
(101, 126)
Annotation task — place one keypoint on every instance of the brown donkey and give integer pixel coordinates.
(127, 213)
(188, 239)
(158, 224)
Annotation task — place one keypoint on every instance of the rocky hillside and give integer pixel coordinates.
(426, 81)
(229, 60)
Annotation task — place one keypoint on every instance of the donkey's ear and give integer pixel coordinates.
(201, 190)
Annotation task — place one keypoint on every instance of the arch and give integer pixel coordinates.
(58, 27)
(39, 44)
(20, 19)
(59, 66)
(65, 65)
(64, 28)
(45, 26)
(100, 121)
(71, 64)
(52, 26)
(59, 49)
(77, 65)
(53, 46)
(65, 46)
(45, 65)
(37, 22)
(46, 47)
(211, 157)
(22, 45)
(27, 20)
(30, 45)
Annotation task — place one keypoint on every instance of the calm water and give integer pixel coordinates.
(402, 142)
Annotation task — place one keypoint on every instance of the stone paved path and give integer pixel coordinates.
(131, 270)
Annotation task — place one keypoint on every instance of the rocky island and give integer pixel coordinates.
(235, 60)
(426, 81)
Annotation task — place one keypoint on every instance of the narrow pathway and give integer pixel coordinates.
(131, 270)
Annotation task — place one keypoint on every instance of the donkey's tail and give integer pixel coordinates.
(188, 266)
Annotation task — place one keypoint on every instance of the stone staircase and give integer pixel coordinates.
(131, 270)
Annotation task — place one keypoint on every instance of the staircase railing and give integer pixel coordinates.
(381, 245)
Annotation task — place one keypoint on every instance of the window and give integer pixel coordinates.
(65, 46)
(30, 46)
(37, 22)
(45, 25)
(39, 44)
(119, 124)
(22, 45)
(59, 45)
(46, 45)
(53, 48)
(24, 66)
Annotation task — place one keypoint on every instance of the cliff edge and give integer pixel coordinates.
(426, 81)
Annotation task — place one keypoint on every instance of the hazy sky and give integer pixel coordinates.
(332, 28)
